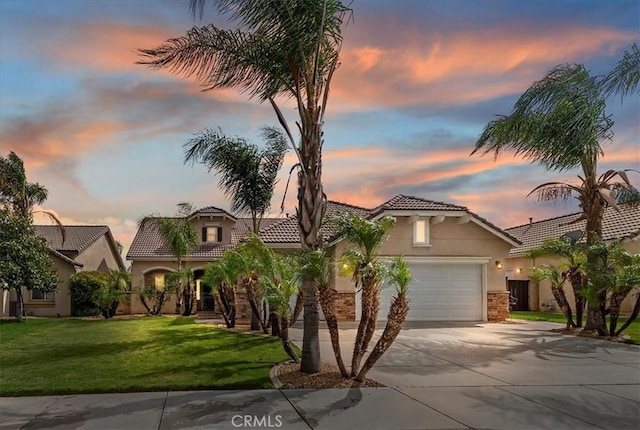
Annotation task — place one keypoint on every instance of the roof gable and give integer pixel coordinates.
(77, 237)
(411, 203)
(616, 225)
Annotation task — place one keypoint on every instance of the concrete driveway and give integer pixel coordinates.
(509, 376)
(438, 376)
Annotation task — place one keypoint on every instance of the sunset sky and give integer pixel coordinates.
(418, 81)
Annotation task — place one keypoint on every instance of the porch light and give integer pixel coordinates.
(498, 265)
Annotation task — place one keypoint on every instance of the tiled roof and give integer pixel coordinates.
(411, 203)
(77, 237)
(212, 210)
(401, 202)
(616, 225)
(148, 242)
(286, 231)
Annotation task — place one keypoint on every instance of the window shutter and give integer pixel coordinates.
(219, 234)
(204, 234)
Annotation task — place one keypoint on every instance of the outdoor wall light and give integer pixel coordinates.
(519, 269)
(498, 265)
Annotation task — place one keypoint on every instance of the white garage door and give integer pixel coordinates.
(439, 292)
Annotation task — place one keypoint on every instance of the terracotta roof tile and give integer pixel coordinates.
(78, 237)
(616, 225)
(402, 202)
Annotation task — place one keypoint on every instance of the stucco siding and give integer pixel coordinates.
(98, 256)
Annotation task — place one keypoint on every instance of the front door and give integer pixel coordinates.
(207, 299)
(519, 291)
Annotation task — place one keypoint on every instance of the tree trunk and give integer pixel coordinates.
(365, 320)
(310, 362)
(595, 320)
(20, 312)
(275, 324)
(297, 309)
(632, 317)
(563, 303)
(578, 282)
(397, 315)
(284, 337)
(373, 318)
(310, 212)
(614, 309)
(250, 288)
(223, 310)
(326, 302)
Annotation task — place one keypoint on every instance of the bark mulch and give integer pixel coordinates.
(329, 377)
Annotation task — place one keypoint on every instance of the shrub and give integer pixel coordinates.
(84, 287)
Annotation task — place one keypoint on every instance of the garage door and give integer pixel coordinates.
(439, 292)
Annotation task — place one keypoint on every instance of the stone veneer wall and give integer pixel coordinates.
(497, 305)
(345, 306)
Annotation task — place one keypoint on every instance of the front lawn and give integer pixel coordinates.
(633, 330)
(59, 356)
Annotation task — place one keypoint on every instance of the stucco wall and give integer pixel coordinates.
(61, 306)
(540, 292)
(447, 239)
(98, 256)
(224, 222)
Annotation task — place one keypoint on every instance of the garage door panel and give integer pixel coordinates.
(439, 292)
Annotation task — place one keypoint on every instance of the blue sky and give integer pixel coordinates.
(418, 81)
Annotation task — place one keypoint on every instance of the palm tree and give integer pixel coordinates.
(223, 276)
(181, 239)
(317, 266)
(557, 280)
(285, 48)
(248, 174)
(367, 272)
(400, 276)
(573, 252)
(280, 283)
(560, 123)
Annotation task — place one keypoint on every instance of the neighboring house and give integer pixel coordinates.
(452, 251)
(85, 248)
(621, 225)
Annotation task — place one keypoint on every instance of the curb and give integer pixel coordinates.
(273, 374)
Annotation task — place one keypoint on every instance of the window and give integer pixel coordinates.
(212, 234)
(42, 295)
(158, 281)
(421, 232)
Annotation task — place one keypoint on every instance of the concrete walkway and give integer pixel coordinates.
(439, 376)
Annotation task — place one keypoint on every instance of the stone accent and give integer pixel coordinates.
(243, 308)
(345, 305)
(497, 305)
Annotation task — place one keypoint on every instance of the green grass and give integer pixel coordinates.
(633, 330)
(60, 356)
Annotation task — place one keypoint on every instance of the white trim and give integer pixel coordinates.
(281, 245)
(496, 232)
(420, 213)
(485, 301)
(158, 267)
(444, 260)
(437, 219)
(427, 233)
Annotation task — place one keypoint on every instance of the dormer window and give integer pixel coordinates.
(421, 232)
(212, 234)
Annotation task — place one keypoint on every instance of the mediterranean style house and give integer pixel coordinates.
(85, 248)
(454, 254)
(618, 225)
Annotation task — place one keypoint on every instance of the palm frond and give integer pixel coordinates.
(558, 122)
(554, 191)
(625, 76)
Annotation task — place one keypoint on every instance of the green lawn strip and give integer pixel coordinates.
(63, 356)
(633, 330)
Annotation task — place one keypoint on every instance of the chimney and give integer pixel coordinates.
(530, 220)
